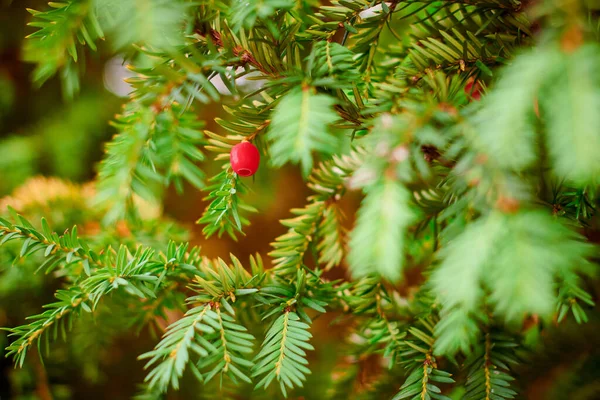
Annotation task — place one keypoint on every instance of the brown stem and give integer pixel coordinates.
(258, 130)
(42, 387)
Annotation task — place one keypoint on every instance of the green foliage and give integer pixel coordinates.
(212, 335)
(560, 85)
(95, 276)
(327, 181)
(508, 256)
(571, 297)
(425, 376)
(508, 115)
(156, 23)
(300, 126)
(473, 143)
(376, 242)
(246, 14)
(206, 332)
(54, 46)
(153, 149)
(332, 65)
(489, 368)
(57, 249)
(223, 212)
(285, 344)
(290, 248)
(572, 99)
(58, 315)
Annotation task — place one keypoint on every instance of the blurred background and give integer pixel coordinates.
(42, 136)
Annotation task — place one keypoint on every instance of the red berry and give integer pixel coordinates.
(474, 92)
(244, 159)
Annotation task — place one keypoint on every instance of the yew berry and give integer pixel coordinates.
(474, 92)
(244, 159)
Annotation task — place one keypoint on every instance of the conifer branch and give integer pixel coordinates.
(68, 248)
(224, 213)
(452, 129)
(205, 332)
(488, 369)
(299, 126)
(122, 273)
(154, 147)
(173, 350)
(132, 273)
(316, 220)
(69, 302)
(53, 47)
(283, 354)
(418, 358)
(572, 297)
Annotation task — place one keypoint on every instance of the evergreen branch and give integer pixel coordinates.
(483, 4)
(68, 248)
(247, 15)
(152, 148)
(332, 234)
(376, 243)
(223, 215)
(573, 203)
(226, 355)
(128, 274)
(488, 368)
(332, 65)
(384, 336)
(156, 24)
(571, 297)
(69, 302)
(363, 296)
(572, 113)
(258, 57)
(567, 247)
(151, 311)
(338, 15)
(480, 22)
(328, 180)
(222, 145)
(476, 169)
(290, 248)
(418, 358)
(233, 344)
(53, 46)
(299, 126)
(282, 354)
(453, 50)
(317, 221)
(508, 109)
(134, 272)
(366, 39)
(249, 126)
(390, 333)
(205, 331)
(519, 284)
(111, 271)
(170, 357)
(176, 79)
(126, 168)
